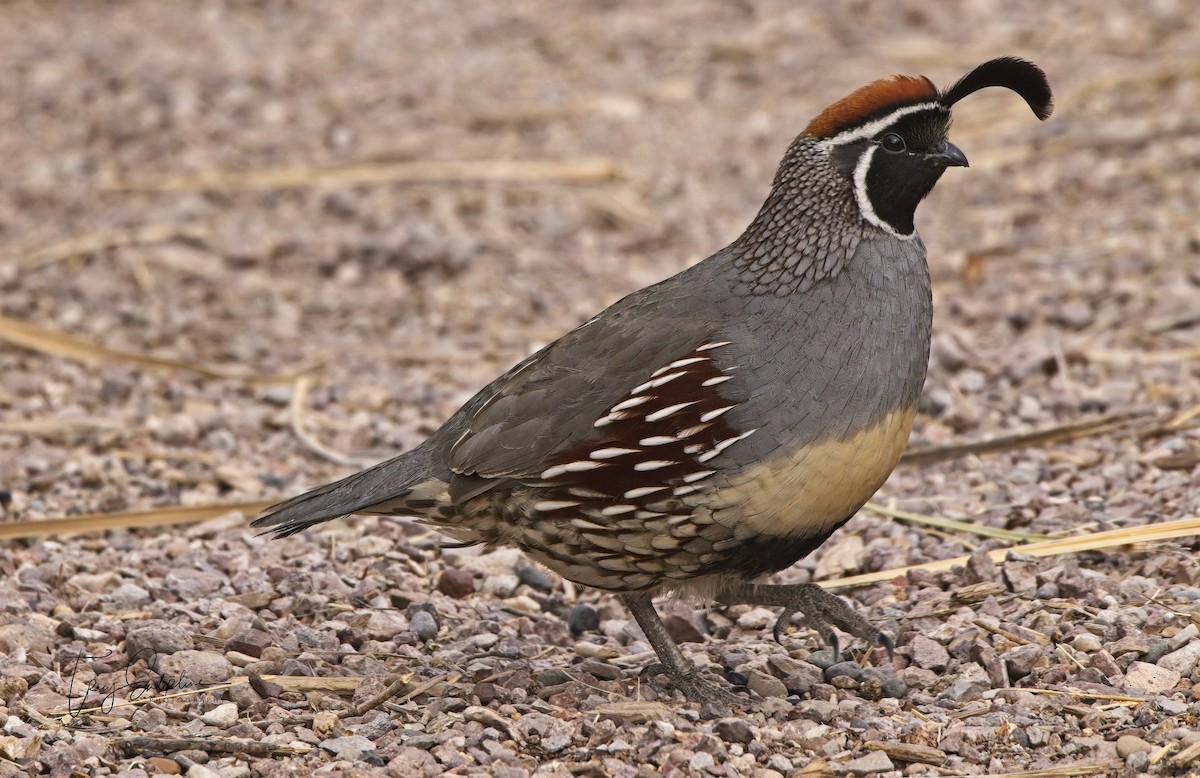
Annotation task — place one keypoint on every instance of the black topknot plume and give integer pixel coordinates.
(1019, 75)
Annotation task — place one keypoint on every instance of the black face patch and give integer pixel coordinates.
(904, 166)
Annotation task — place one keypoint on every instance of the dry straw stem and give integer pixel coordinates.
(142, 744)
(418, 172)
(1124, 699)
(1150, 533)
(29, 336)
(99, 522)
(102, 241)
(955, 526)
(1035, 437)
(1135, 358)
(55, 427)
(1090, 770)
(297, 409)
(301, 684)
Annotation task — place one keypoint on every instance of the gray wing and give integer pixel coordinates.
(550, 402)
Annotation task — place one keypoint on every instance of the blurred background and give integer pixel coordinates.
(201, 202)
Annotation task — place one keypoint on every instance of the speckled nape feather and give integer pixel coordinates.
(873, 101)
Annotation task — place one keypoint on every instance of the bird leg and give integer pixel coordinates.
(823, 610)
(684, 675)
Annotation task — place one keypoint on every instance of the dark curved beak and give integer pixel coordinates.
(950, 156)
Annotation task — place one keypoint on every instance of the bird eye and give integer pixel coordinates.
(893, 143)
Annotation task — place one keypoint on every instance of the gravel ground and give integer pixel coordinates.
(1066, 264)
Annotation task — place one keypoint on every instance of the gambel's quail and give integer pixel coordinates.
(718, 426)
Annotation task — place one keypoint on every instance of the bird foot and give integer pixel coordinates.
(823, 610)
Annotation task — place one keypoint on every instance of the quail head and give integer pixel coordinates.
(718, 426)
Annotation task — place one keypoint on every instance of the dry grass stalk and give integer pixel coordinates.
(1036, 437)
(908, 752)
(142, 744)
(1134, 358)
(26, 335)
(420, 172)
(1097, 541)
(1082, 695)
(101, 241)
(955, 526)
(54, 427)
(1066, 771)
(298, 412)
(99, 522)
(301, 684)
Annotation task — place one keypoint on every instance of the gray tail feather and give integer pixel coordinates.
(382, 483)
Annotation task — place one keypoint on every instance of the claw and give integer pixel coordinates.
(886, 641)
(784, 616)
(834, 647)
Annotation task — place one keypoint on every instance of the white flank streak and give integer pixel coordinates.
(609, 453)
(692, 449)
(690, 431)
(570, 467)
(617, 510)
(693, 477)
(588, 525)
(714, 414)
(648, 514)
(680, 491)
(610, 418)
(590, 494)
(656, 382)
(665, 412)
(554, 505)
(678, 364)
(642, 491)
(719, 379)
(714, 344)
(632, 402)
(653, 464)
(657, 440)
(724, 444)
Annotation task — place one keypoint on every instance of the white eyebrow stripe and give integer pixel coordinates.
(873, 128)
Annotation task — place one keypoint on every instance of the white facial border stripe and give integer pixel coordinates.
(864, 199)
(871, 129)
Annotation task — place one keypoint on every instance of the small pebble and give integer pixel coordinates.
(224, 715)
(535, 577)
(500, 585)
(1132, 744)
(823, 659)
(928, 653)
(594, 650)
(423, 625)
(1138, 762)
(456, 583)
(843, 669)
(601, 669)
(1151, 678)
(583, 618)
(766, 685)
(872, 763)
